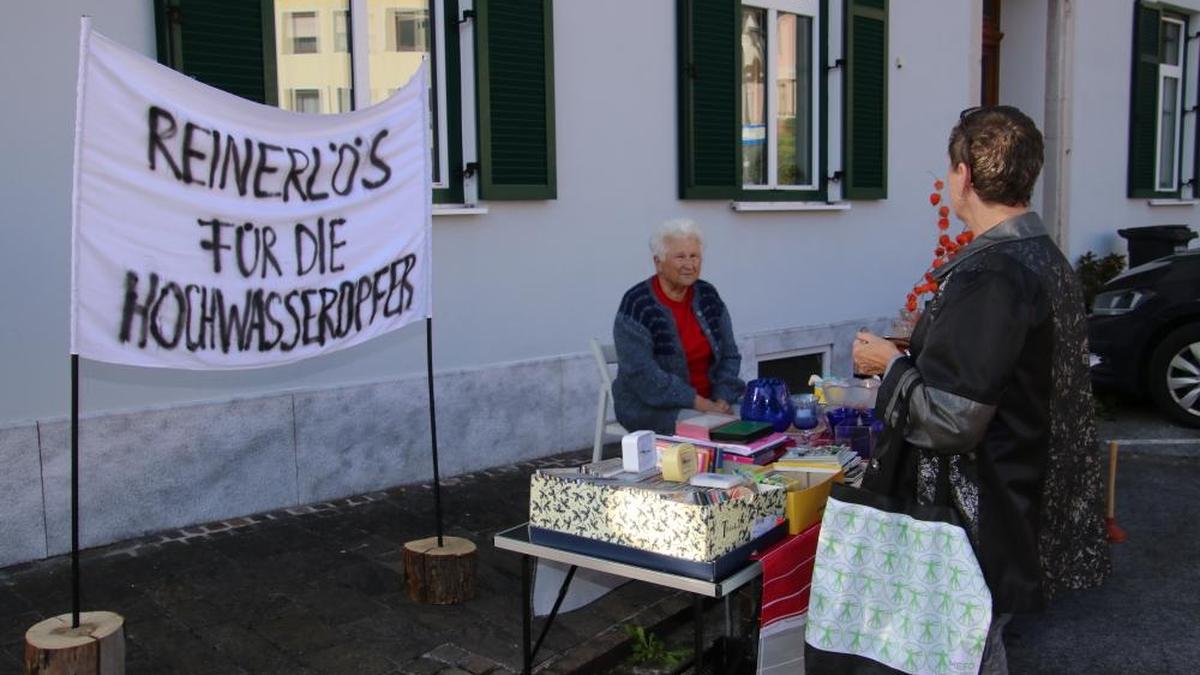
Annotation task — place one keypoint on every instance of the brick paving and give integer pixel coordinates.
(318, 589)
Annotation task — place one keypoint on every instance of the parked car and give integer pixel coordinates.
(1144, 333)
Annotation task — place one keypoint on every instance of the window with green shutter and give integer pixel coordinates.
(306, 57)
(864, 112)
(754, 105)
(708, 98)
(223, 43)
(515, 61)
(1157, 92)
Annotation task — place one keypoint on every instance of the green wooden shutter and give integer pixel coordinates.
(1187, 47)
(228, 44)
(864, 103)
(453, 192)
(709, 39)
(515, 85)
(1143, 101)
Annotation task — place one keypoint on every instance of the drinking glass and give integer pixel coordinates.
(856, 437)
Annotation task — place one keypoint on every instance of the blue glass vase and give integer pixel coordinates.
(767, 400)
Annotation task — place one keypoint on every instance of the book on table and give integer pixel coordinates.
(741, 431)
(750, 448)
(700, 426)
(762, 457)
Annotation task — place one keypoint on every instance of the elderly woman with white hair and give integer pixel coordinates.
(674, 339)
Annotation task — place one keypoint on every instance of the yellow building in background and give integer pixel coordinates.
(313, 46)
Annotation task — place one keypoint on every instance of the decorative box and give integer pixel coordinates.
(807, 492)
(645, 519)
(709, 570)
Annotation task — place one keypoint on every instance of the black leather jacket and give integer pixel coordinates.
(991, 414)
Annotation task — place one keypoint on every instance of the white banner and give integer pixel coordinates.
(210, 232)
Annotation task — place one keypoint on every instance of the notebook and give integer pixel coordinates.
(741, 431)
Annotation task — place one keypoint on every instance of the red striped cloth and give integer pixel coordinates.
(787, 576)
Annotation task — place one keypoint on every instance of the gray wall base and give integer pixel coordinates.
(151, 470)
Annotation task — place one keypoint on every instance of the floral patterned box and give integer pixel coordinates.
(644, 519)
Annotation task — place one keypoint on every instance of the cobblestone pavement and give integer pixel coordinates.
(318, 589)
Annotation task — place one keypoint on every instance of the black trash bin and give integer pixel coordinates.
(1155, 241)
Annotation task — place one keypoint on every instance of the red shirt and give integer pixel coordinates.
(696, 349)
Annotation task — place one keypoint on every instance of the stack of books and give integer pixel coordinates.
(831, 458)
(613, 468)
(700, 427)
(721, 439)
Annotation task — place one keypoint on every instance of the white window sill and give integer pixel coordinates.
(459, 210)
(791, 206)
(1173, 202)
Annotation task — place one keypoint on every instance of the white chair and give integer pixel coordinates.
(606, 356)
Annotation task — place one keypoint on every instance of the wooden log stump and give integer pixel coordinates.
(96, 647)
(440, 575)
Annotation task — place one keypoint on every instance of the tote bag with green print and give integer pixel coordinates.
(895, 589)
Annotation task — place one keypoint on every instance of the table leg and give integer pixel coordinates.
(526, 615)
(698, 621)
(562, 593)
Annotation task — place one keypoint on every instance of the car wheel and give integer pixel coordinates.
(1174, 378)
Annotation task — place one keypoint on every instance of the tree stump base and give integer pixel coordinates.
(439, 575)
(96, 647)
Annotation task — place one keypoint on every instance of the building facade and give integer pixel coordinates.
(802, 135)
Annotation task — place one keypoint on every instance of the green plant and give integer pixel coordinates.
(1095, 272)
(650, 649)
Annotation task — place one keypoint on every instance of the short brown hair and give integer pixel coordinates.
(1003, 149)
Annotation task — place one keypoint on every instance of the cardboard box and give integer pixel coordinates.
(644, 519)
(807, 491)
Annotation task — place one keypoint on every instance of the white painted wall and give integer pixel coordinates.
(528, 279)
(1100, 131)
(1023, 65)
(1023, 57)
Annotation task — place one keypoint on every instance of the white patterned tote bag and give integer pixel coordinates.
(894, 590)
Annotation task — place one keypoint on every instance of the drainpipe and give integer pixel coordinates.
(1060, 44)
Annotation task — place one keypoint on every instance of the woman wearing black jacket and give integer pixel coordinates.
(990, 412)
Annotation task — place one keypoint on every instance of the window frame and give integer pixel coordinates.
(311, 92)
(819, 190)
(1144, 156)
(413, 16)
(289, 23)
(1176, 72)
(348, 94)
(447, 75)
(798, 8)
(337, 49)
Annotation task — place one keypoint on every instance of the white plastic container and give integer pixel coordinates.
(856, 394)
(637, 452)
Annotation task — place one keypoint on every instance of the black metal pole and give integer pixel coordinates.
(437, 481)
(75, 491)
(562, 594)
(526, 614)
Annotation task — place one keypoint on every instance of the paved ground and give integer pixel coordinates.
(316, 590)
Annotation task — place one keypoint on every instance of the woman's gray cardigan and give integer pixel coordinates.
(652, 382)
